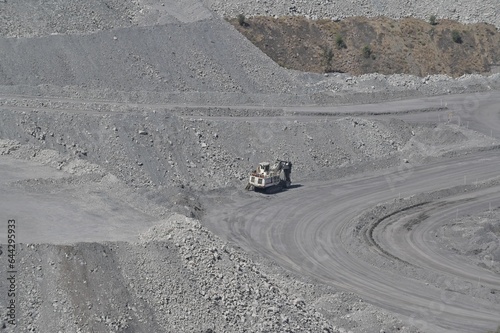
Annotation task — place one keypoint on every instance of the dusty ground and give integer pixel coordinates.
(77, 196)
(126, 133)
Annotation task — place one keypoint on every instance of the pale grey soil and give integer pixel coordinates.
(139, 55)
(467, 12)
(127, 130)
(126, 170)
(481, 233)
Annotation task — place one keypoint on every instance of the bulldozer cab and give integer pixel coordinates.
(269, 177)
(264, 167)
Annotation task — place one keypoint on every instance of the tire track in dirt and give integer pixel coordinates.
(311, 230)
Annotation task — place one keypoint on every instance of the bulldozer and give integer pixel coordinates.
(268, 178)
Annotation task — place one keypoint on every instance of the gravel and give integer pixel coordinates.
(480, 232)
(130, 100)
(186, 148)
(26, 18)
(138, 55)
(466, 12)
(158, 160)
(117, 287)
(145, 58)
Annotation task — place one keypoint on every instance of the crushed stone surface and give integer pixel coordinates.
(122, 123)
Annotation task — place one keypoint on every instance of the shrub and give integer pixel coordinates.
(367, 51)
(432, 20)
(328, 57)
(455, 35)
(340, 42)
(241, 20)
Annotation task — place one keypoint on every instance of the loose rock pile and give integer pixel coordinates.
(163, 148)
(210, 286)
(481, 233)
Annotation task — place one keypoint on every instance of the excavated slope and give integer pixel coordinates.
(201, 56)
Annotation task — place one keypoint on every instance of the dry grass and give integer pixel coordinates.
(409, 46)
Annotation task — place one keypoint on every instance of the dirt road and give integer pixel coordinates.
(359, 234)
(401, 264)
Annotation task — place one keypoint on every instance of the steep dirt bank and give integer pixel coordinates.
(160, 147)
(360, 45)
